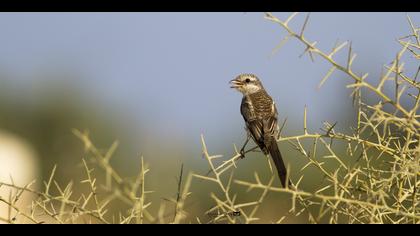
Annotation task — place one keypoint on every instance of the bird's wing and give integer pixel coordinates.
(270, 124)
(254, 125)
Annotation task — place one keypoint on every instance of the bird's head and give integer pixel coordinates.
(246, 83)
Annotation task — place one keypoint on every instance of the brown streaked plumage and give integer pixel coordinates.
(260, 114)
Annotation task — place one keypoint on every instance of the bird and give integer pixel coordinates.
(260, 114)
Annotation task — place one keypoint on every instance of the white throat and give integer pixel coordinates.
(250, 89)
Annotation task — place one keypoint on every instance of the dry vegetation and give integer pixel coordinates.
(374, 181)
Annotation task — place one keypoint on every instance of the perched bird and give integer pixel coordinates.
(260, 114)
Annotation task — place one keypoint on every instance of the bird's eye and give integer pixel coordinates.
(247, 80)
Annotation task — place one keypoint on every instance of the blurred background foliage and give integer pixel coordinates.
(158, 111)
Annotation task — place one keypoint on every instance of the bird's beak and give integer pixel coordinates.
(235, 83)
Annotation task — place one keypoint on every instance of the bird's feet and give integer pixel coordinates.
(242, 153)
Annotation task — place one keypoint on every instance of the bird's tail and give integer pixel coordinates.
(278, 161)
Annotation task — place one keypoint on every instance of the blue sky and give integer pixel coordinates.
(170, 71)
